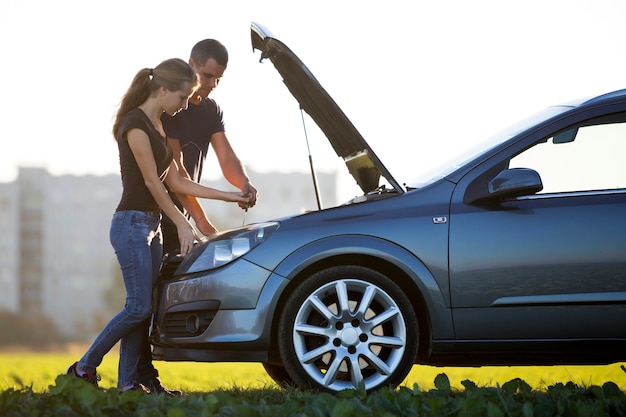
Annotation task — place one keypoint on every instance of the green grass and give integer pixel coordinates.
(30, 385)
(39, 370)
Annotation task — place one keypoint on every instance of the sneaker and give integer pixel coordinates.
(138, 387)
(90, 377)
(155, 387)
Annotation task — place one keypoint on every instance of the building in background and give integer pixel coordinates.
(9, 236)
(65, 263)
(55, 257)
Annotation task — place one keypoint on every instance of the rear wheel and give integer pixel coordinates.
(346, 326)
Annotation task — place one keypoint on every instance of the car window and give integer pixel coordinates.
(582, 158)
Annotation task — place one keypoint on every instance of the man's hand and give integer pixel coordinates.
(252, 194)
(206, 228)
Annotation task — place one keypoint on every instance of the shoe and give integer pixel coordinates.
(90, 377)
(155, 387)
(138, 387)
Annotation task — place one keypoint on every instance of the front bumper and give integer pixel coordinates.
(223, 315)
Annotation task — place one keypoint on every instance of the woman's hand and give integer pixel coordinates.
(238, 197)
(187, 237)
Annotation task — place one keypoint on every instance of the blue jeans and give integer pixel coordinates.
(136, 238)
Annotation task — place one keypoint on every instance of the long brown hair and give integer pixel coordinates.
(172, 74)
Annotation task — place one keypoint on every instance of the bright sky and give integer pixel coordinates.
(417, 78)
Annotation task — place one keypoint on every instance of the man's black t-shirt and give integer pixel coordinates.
(135, 194)
(193, 128)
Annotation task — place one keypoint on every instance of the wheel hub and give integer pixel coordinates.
(349, 336)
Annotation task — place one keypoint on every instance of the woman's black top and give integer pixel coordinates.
(135, 194)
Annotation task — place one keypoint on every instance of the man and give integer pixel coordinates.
(191, 131)
(189, 134)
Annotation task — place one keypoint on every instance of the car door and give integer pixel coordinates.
(550, 265)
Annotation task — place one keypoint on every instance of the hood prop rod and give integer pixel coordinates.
(313, 175)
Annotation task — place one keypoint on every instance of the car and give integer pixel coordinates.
(511, 253)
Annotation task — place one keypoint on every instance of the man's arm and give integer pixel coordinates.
(232, 168)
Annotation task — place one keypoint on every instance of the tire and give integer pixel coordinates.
(346, 327)
(279, 374)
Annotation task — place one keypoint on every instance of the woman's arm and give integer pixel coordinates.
(142, 151)
(191, 204)
(182, 185)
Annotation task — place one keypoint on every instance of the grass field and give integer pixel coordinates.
(39, 370)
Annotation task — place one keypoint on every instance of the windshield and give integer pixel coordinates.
(457, 160)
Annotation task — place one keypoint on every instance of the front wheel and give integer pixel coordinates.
(346, 326)
(279, 374)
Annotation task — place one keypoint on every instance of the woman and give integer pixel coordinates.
(145, 163)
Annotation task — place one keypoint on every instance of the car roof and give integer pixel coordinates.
(619, 95)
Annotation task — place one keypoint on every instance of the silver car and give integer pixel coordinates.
(511, 254)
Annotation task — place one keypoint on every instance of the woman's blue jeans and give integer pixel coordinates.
(136, 238)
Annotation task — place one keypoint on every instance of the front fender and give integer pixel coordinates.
(419, 276)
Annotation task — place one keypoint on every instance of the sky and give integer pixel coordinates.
(419, 79)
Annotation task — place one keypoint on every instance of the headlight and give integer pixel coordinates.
(226, 247)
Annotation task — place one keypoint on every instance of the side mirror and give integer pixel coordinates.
(514, 182)
(566, 136)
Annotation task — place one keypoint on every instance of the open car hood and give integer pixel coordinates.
(347, 142)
